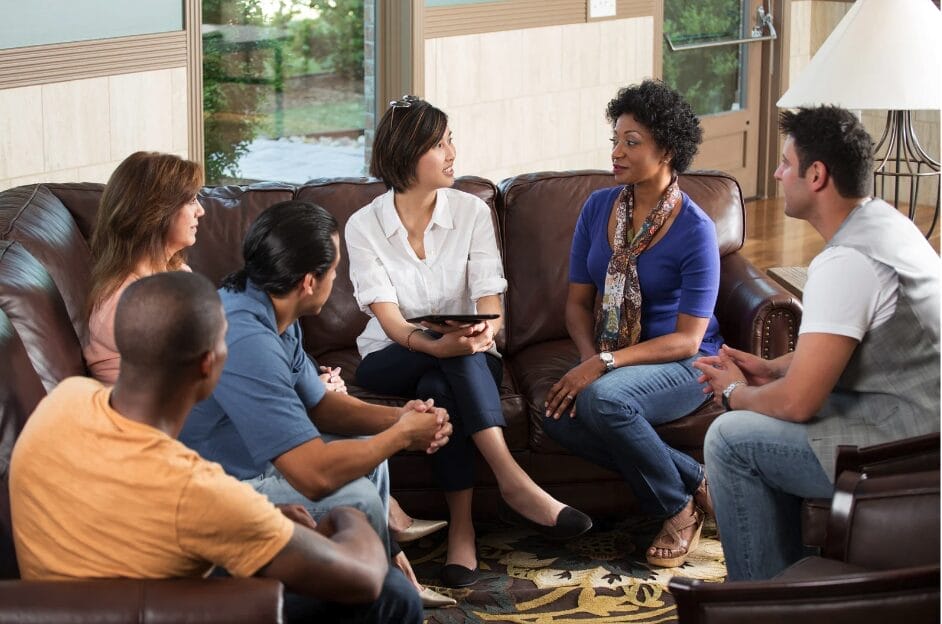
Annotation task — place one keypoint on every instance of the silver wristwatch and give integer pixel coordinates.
(729, 390)
(608, 359)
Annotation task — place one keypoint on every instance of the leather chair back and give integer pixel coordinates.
(885, 522)
(230, 210)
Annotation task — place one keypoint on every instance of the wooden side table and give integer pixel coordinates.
(791, 278)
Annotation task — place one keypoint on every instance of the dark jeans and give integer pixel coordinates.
(466, 386)
(398, 602)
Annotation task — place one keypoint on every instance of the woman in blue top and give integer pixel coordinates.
(652, 254)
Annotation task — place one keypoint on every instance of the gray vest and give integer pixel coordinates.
(890, 387)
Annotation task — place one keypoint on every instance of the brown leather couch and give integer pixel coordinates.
(44, 276)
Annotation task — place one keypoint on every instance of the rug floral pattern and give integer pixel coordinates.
(600, 577)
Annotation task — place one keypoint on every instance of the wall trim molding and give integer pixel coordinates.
(472, 19)
(37, 65)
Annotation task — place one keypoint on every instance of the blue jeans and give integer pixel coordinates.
(614, 427)
(466, 386)
(369, 494)
(760, 470)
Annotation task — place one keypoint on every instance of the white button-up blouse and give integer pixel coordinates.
(461, 265)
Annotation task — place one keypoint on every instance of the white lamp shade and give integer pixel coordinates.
(884, 54)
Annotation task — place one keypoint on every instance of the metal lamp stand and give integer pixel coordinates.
(899, 155)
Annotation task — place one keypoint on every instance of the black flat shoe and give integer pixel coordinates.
(570, 522)
(454, 576)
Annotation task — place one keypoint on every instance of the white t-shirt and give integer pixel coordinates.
(847, 293)
(461, 265)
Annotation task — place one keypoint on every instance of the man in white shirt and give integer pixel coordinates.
(865, 369)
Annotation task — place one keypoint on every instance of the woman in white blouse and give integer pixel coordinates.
(425, 248)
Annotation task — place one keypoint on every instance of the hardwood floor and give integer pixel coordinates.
(772, 239)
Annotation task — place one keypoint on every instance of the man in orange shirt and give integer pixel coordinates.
(101, 488)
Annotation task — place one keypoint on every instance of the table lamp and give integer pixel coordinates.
(883, 55)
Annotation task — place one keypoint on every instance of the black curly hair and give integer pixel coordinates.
(667, 116)
(835, 137)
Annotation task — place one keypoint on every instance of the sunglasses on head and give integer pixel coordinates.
(405, 101)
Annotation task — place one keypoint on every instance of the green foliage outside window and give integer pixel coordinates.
(245, 75)
(708, 77)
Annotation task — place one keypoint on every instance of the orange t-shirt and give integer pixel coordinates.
(95, 495)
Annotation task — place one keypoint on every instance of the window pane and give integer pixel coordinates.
(283, 89)
(710, 78)
(42, 22)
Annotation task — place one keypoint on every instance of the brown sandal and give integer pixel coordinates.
(702, 498)
(669, 538)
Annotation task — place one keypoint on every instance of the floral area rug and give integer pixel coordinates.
(601, 577)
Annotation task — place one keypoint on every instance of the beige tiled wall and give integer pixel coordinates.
(534, 99)
(811, 23)
(78, 131)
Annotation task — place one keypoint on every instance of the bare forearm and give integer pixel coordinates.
(490, 304)
(779, 366)
(343, 414)
(336, 463)
(772, 399)
(349, 567)
(667, 348)
(579, 324)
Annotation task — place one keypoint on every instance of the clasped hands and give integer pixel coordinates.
(428, 427)
(729, 365)
(462, 338)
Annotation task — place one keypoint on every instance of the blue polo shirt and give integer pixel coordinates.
(259, 407)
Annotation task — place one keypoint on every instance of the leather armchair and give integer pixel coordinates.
(898, 457)
(880, 564)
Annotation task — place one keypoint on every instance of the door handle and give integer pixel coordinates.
(763, 20)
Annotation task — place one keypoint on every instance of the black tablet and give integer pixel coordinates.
(458, 318)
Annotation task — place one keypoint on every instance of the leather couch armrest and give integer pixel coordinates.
(906, 595)
(755, 313)
(196, 601)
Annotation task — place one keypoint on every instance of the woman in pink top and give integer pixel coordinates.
(148, 216)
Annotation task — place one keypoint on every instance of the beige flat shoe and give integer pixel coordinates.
(418, 529)
(431, 599)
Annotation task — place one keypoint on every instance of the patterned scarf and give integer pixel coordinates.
(618, 320)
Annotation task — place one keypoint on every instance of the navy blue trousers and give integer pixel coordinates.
(466, 386)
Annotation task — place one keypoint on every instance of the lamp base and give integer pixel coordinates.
(900, 158)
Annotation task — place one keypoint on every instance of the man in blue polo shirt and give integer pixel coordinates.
(268, 418)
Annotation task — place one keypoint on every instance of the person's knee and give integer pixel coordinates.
(362, 494)
(433, 385)
(398, 601)
(726, 433)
